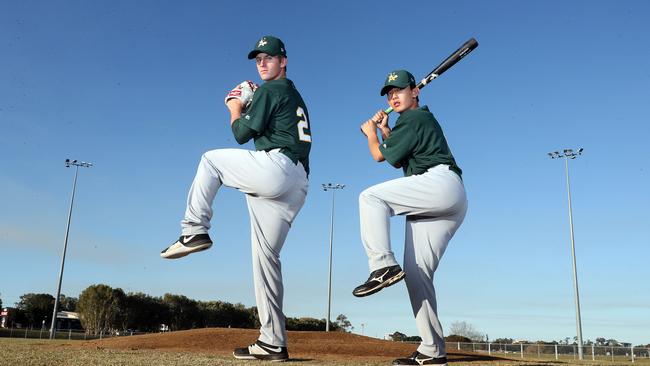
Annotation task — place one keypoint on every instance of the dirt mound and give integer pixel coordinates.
(302, 345)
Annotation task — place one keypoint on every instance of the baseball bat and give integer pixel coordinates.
(450, 61)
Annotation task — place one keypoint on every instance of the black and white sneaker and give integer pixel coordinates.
(418, 358)
(379, 279)
(262, 351)
(187, 244)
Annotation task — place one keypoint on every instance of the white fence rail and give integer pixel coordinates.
(554, 351)
(70, 334)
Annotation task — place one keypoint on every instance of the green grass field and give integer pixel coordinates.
(29, 352)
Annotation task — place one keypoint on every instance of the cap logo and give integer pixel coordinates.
(392, 77)
(262, 43)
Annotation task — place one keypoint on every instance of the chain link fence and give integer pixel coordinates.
(555, 351)
(69, 334)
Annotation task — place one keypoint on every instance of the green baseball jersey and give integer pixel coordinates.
(279, 117)
(417, 143)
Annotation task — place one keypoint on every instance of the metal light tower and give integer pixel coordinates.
(570, 154)
(333, 187)
(76, 164)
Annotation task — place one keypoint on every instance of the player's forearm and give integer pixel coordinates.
(234, 115)
(235, 108)
(373, 146)
(385, 132)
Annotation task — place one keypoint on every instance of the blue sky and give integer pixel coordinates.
(137, 87)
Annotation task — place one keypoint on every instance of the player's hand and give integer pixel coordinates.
(369, 128)
(381, 119)
(234, 105)
(243, 93)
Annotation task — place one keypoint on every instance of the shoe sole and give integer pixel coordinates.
(186, 251)
(271, 358)
(388, 282)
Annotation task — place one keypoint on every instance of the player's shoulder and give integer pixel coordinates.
(422, 113)
(278, 85)
(415, 116)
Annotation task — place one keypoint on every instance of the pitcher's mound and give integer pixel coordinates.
(304, 345)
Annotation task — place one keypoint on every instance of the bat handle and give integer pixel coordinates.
(388, 110)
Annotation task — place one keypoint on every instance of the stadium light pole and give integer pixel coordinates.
(570, 154)
(333, 188)
(76, 164)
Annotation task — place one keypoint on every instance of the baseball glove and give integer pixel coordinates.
(244, 92)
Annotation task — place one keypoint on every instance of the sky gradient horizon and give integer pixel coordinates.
(137, 89)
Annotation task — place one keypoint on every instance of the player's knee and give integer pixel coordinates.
(368, 196)
(210, 155)
(364, 196)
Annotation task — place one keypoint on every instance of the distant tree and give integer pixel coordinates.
(600, 341)
(503, 340)
(142, 312)
(465, 329)
(97, 308)
(183, 312)
(255, 317)
(343, 323)
(309, 324)
(413, 339)
(67, 303)
(457, 338)
(18, 318)
(36, 308)
(1, 301)
(120, 316)
(225, 314)
(397, 336)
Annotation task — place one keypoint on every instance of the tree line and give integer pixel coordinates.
(103, 309)
(464, 332)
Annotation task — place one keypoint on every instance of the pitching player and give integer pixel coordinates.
(274, 179)
(432, 197)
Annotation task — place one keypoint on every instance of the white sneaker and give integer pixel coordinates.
(262, 351)
(187, 244)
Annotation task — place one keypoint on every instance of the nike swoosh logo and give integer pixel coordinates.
(270, 349)
(187, 240)
(279, 349)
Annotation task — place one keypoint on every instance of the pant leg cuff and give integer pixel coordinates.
(383, 262)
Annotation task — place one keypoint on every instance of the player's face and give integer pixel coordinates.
(270, 67)
(403, 99)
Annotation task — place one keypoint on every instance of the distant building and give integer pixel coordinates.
(68, 320)
(7, 317)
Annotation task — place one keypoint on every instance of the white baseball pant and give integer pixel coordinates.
(275, 190)
(435, 205)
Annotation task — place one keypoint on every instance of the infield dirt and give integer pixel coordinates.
(302, 345)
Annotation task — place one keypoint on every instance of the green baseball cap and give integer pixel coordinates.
(269, 45)
(399, 79)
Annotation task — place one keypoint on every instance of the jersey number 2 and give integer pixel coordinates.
(303, 125)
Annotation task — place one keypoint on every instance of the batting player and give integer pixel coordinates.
(274, 179)
(432, 197)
